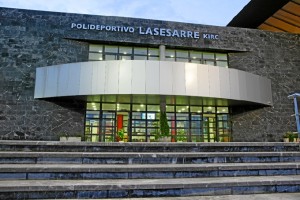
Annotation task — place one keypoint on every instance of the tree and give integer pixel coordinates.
(164, 126)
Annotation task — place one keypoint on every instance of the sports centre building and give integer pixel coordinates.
(93, 76)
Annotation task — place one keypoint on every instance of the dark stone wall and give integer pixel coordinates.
(31, 39)
(27, 41)
(272, 55)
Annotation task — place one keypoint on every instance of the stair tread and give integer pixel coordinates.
(143, 154)
(143, 167)
(123, 184)
(146, 144)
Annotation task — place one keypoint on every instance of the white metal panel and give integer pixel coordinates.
(40, 78)
(86, 78)
(98, 78)
(63, 78)
(139, 77)
(242, 85)
(265, 91)
(214, 81)
(178, 78)
(191, 79)
(112, 77)
(125, 77)
(252, 83)
(224, 83)
(166, 77)
(74, 79)
(152, 77)
(203, 83)
(51, 81)
(234, 84)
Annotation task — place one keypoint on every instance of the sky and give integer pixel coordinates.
(209, 12)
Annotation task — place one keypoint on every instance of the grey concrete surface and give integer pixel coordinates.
(278, 196)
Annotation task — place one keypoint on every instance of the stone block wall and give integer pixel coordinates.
(272, 55)
(31, 39)
(27, 42)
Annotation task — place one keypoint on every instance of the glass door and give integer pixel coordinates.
(108, 126)
(209, 127)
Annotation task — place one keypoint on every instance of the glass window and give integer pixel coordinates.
(207, 55)
(108, 106)
(209, 109)
(111, 57)
(208, 62)
(153, 52)
(169, 108)
(95, 56)
(154, 108)
(96, 48)
(93, 106)
(111, 49)
(222, 109)
(139, 108)
(182, 116)
(109, 98)
(182, 109)
(140, 51)
(124, 98)
(123, 107)
(171, 116)
(182, 54)
(196, 109)
(122, 57)
(182, 60)
(221, 56)
(194, 55)
(139, 57)
(92, 114)
(125, 50)
(153, 58)
(170, 53)
(170, 59)
(136, 115)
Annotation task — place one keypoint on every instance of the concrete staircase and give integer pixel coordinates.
(41, 170)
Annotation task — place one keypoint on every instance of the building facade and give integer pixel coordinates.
(95, 76)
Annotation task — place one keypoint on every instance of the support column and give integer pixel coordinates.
(162, 52)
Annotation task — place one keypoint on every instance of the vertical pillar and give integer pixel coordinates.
(297, 114)
(162, 52)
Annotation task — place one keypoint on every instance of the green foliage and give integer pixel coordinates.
(164, 126)
(181, 135)
(120, 134)
(290, 135)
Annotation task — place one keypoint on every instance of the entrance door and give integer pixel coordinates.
(108, 127)
(209, 127)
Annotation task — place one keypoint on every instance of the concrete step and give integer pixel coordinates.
(55, 146)
(95, 171)
(145, 157)
(120, 188)
(276, 196)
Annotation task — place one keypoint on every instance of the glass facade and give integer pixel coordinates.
(139, 120)
(113, 52)
(200, 57)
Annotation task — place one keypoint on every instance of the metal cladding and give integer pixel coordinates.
(151, 77)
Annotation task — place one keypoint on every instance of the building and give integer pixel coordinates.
(73, 74)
